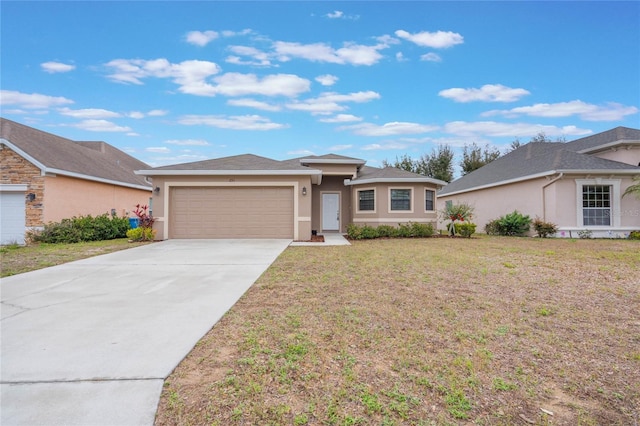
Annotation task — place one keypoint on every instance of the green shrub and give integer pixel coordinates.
(492, 227)
(354, 232)
(387, 231)
(141, 234)
(544, 229)
(512, 224)
(83, 228)
(465, 229)
(421, 230)
(634, 235)
(404, 230)
(585, 234)
(369, 232)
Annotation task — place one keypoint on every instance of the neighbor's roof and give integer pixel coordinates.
(95, 161)
(537, 159)
(391, 175)
(618, 136)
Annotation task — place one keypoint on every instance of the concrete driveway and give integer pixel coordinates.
(91, 342)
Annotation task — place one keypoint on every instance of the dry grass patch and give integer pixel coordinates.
(16, 259)
(436, 331)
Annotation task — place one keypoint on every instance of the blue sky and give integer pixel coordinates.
(174, 82)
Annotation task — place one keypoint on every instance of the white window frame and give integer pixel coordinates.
(615, 201)
(375, 200)
(411, 199)
(425, 200)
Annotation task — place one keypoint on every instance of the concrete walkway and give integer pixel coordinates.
(91, 342)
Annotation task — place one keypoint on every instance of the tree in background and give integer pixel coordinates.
(474, 157)
(438, 164)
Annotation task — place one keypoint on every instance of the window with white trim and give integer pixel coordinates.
(596, 205)
(366, 200)
(429, 199)
(598, 202)
(400, 199)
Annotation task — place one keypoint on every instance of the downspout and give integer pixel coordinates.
(544, 203)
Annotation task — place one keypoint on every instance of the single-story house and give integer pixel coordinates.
(47, 178)
(248, 196)
(576, 185)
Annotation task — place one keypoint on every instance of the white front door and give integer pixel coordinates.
(330, 212)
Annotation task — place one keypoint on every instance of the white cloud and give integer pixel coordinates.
(487, 93)
(338, 14)
(56, 67)
(136, 115)
(100, 126)
(385, 146)
(301, 152)
(187, 142)
(327, 79)
(236, 84)
(258, 57)
(330, 102)
(228, 33)
(589, 112)
(351, 53)
(495, 129)
(437, 40)
(190, 75)
(400, 57)
(158, 149)
(157, 113)
(252, 103)
(341, 118)
(244, 122)
(201, 38)
(31, 100)
(388, 129)
(335, 148)
(88, 113)
(431, 57)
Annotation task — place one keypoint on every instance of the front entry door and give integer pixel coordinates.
(330, 212)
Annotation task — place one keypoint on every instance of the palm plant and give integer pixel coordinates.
(634, 189)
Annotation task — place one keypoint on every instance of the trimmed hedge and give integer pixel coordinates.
(408, 230)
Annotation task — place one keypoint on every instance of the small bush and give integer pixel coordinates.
(354, 232)
(387, 231)
(512, 224)
(421, 230)
(369, 232)
(585, 234)
(544, 229)
(141, 234)
(465, 229)
(83, 228)
(634, 235)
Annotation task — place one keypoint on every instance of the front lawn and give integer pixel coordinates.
(490, 330)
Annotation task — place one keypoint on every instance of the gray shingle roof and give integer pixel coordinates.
(87, 159)
(538, 159)
(391, 174)
(619, 134)
(236, 162)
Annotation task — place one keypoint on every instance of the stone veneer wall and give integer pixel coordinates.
(17, 170)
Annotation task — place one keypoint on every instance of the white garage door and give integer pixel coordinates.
(221, 212)
(12, 217)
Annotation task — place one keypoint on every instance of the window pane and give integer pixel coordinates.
(400, 199)
(596, 205)
(428, 197)
(366, 200)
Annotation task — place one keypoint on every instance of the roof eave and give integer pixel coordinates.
(330, 161)
(24, 155)
(609, 145)
(395, 180)
(175, 172)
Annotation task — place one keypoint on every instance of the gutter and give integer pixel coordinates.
(544, 203)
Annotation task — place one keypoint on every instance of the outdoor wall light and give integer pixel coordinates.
(157, 190)
(304, 190)
(31, 196)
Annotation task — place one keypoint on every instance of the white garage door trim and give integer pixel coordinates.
(12, 213)
(294, 185)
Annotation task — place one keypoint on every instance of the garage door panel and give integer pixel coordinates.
(246, 212)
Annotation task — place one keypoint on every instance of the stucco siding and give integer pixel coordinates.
(65, 197)
(623, 155)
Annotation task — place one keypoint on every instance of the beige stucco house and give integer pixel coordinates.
(248, 196)
(47, 178)
(577, 185)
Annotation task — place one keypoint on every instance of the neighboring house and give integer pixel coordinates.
(47, 178)
(577, 185)
(248, 196)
